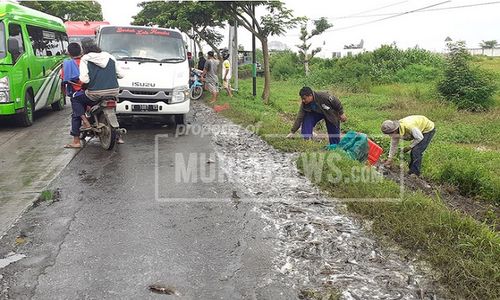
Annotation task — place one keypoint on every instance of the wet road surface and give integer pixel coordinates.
(218, 216)
(30, 158)
(109, 237)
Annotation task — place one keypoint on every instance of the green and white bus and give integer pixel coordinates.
(32, 48)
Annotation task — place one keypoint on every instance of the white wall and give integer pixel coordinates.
(487, 52)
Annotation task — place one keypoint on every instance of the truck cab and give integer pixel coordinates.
(155, 68)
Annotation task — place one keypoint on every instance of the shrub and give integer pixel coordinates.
(470, 88)
(417, 73)
(285, 65)
(245, 71)
(357, 73)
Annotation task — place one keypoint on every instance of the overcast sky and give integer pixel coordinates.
(425, 29)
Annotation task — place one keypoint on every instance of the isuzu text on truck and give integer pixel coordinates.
(156, 70)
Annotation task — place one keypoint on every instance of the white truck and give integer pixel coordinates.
(156, 70)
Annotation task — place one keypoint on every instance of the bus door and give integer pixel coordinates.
(19, 71)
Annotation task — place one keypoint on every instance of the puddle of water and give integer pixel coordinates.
(317, 246)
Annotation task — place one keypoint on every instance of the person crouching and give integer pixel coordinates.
(317, 106)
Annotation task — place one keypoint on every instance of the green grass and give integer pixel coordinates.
(473, 138)
(465, 252)
(491, 64)
(46, 195)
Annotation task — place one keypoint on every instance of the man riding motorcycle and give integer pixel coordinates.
(99, 73)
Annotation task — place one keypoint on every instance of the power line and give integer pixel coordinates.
(427, 10)
(370, 10)
(366, 11)
(394, 15)
(386, 18)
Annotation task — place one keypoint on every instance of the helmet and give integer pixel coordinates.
(225, 53)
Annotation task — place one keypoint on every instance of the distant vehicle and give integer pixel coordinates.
(32, 48)
(155, 66)
(79, 30)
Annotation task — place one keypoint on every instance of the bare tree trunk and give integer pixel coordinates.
(306, 67)
(199, 45)
(267, 72)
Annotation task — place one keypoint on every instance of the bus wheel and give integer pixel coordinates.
(25, 118)
(59, 105)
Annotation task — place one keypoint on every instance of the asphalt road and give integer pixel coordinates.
(30, 158)
(142, 215)
(212, 213)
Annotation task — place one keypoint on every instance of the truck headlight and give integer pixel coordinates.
(180, 94)
(4, 90)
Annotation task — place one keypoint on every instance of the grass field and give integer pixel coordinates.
(464, 153)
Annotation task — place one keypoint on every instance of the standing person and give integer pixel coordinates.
(99, 72)
(201, 61)
(190, 60)
(315, 107)
(210, 75)
(226, 73)
(70, 75)
(416, 128)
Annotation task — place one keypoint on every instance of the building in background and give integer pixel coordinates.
(485, 51)
(347, 50)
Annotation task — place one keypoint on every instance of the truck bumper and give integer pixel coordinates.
(7, 109)
(125, 108)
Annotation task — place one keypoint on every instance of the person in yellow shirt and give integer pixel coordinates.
(419, 129)
(226, 73)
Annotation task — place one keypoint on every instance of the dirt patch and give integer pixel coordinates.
(477, 209)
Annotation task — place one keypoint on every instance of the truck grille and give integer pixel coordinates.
(145, 95)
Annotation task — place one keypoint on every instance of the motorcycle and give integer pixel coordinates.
(103, 123)
(196, 89)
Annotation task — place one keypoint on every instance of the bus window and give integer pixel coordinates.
(54, 45)
(63, 37)
(3, 47)
(39, 46)
(47, 42)
(15, 32)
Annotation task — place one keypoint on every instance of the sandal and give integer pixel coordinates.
(73, 146)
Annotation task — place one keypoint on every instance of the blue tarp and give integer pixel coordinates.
(354, 144)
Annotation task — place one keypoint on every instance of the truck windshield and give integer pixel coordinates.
(143, 44)
(3, 48)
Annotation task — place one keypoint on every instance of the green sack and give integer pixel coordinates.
(354, 144)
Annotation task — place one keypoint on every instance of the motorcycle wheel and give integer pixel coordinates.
(107, 136)
(196, 92)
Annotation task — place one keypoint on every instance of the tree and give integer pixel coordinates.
(319, 27)
(68, 10)
(488, 44)
(275, 22)
(470, 88)
(198, 20)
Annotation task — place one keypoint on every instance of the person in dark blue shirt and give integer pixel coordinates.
(317, 106)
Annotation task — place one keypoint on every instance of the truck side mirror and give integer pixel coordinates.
(13, 47)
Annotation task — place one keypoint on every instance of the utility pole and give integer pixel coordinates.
(254, 62)
(233, 51)
(235, 55)
(195, 54)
